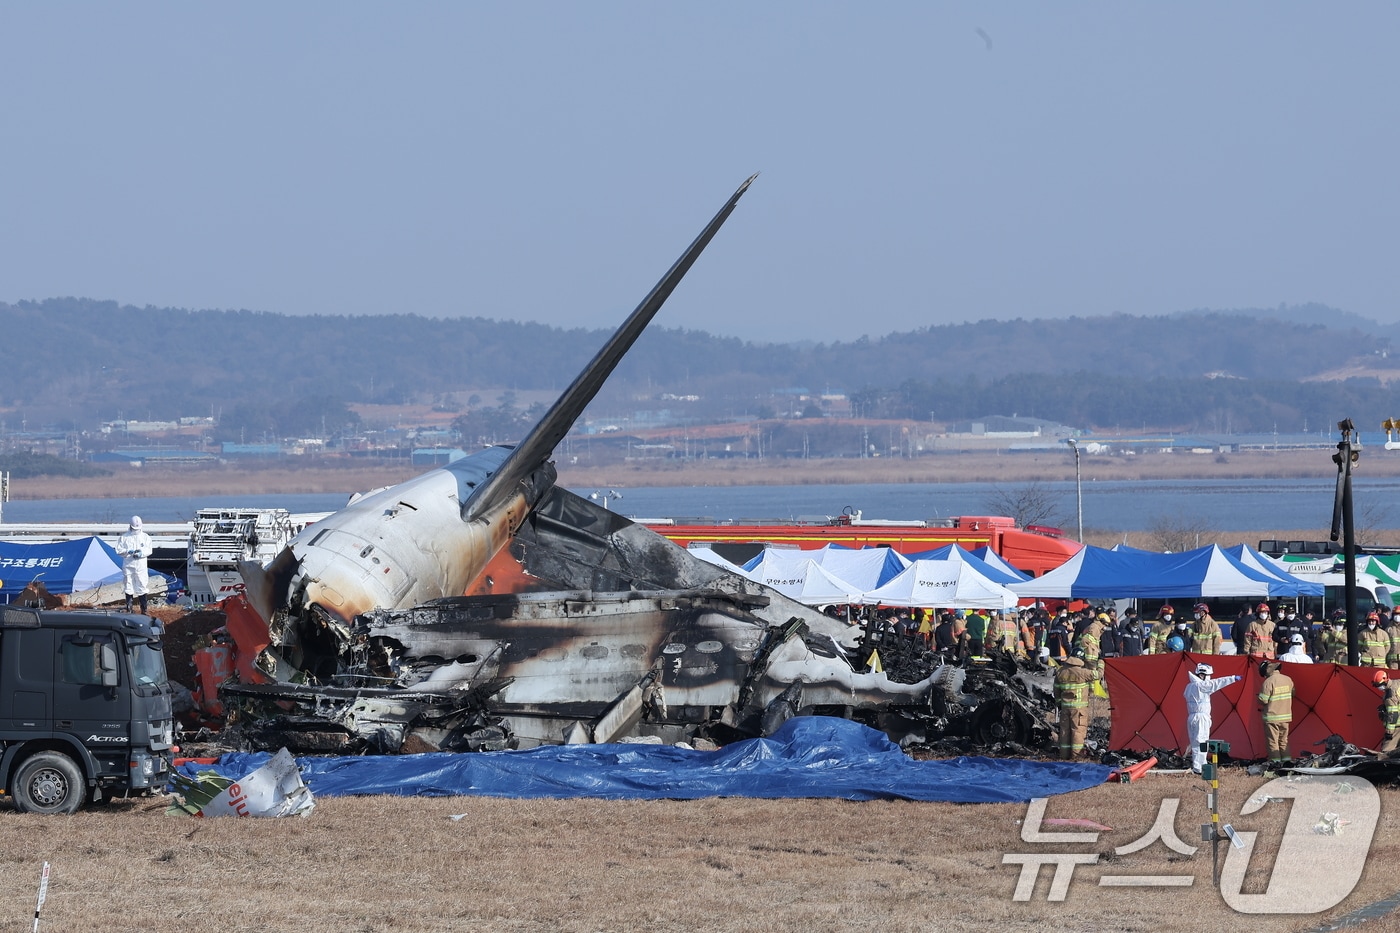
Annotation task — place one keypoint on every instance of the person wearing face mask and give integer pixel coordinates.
(1205, 631)
(1392, 628)
(1286, 627)
(1259, 638)
(1373, 644)
(1199, 688)
(1161, 631)
(1180, 639)
(1130, 635)
(1332, 641)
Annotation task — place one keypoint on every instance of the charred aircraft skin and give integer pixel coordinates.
(570, 656)
(486, 672)
(479, 606)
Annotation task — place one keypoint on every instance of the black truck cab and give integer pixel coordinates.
(85, 707)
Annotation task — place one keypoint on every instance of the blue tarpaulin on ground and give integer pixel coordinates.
(810, 756)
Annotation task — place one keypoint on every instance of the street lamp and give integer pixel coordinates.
(1344, 527)
(598, 495)
(1078, 487)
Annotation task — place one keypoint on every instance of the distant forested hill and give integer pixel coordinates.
(73, 362)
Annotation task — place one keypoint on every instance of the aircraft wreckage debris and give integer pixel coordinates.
(493, 672)
(480, 606)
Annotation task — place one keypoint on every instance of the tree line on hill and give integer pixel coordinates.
(24, 464)
(71, 363)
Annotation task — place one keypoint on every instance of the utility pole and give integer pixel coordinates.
(1078, 488)
(1344, 526)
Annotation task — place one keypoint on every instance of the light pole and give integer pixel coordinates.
(1078, 487)
(599, 495)
(1344, 527)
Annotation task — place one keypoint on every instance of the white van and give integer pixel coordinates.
(1370, 593)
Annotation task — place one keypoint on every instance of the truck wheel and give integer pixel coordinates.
(49, 782)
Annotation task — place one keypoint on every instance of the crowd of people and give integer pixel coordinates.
(1096, 632)
(1076, 642)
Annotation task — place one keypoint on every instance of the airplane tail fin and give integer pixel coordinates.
(514, 473)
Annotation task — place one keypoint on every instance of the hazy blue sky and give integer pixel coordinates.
(922, 163)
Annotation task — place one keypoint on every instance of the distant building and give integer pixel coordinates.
(139, 427)
(251, 450)
(436, 456)
(152, 456)
(1011, 426)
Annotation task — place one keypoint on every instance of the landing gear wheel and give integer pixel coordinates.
(49, 782)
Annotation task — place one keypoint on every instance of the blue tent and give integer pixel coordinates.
(1291, 585)
(1098, 573)
(985, 553)
(63, 567)
(992, 571)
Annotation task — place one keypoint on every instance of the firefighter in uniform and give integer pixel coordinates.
(1088, 646)
(1259, 637)
(1006, 634)
(1276, 706)
(1161, 631)
(1372, 644)
(1332, 640)
(1205, 631)
(1390, 712)
(1392, 660)
(1072, 681)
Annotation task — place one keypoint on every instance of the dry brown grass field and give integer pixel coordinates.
(396, 864)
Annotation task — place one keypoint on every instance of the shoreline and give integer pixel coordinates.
(947, 468)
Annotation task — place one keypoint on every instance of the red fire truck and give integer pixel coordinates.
(1035, 549)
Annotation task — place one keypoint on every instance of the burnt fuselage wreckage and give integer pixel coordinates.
(479, 606)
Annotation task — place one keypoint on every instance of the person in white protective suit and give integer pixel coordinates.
(1297, 652)
(1199, 687)
(134, 546)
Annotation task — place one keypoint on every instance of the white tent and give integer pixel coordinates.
(954, 584)
(864, 569)
(708, 555)
(799, 577)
